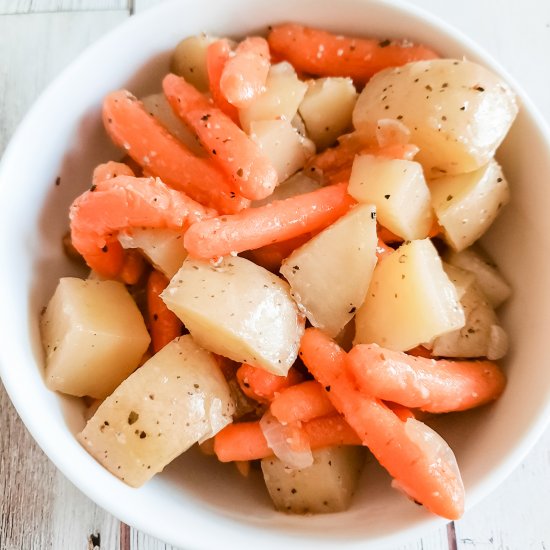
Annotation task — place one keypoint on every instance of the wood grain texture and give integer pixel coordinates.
(9, 7)
(39, 508)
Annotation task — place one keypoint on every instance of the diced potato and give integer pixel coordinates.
(315, 270)
(487, 276)
(298, 184)
(457, 111)
(157, 105)
(410, 300)
(189, 60)
(284, 93)
(461, 278)
(325, 486)
(467, 204)
(162, 247)
(239, 310)
(298, 124)
(326, 109)
(475, 338)
(281, 143)
(93, 335)
(179, 397)
(398, 190)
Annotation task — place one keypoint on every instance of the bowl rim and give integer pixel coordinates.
(93, 491)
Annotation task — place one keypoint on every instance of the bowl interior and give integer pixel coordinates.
(197, 501)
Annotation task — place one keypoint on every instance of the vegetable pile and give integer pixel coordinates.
(283, 268)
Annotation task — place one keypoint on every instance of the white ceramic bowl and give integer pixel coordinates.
(196, 502)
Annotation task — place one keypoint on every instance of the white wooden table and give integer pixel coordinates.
(39, 508)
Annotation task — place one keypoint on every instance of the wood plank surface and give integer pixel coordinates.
(8, 7)
(39, 508)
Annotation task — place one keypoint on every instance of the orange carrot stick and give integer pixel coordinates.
(249, 170)
(110, 259)
(160, 154)
(335, 163)
(133, 267)
(217, 56)
(122, 202)
(329, 430)
(430, 385)
(271, 256)
(241, 441)
(432, 482)
(110, 170)
(246, 441)
(274, 222)
(244, 75)
(163, 323)
(321, 53)
(386, 235)
(261, 385)
(403, 413)
(301, 402)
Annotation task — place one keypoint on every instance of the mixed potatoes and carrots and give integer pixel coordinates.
(283, 267)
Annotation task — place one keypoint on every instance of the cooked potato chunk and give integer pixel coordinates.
(461, 278)
(284, 93)
(467, 204)
(177, 398)
(162, 247)
(477, 337)
(238, 310)
(189, 60)
(487, 276)
(398, 190)
(315, 270)
(325, 486)
(457, 111)
(410, 300)
(326, 109)
(94, 337)
(157, 105)
(281, 143)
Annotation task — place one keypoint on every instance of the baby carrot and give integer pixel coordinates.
(275, 222)
(433, 386)
(244, 75)
(110, 260)
(301, 402)
(119, 203)
(335, 162)
(249, 170)
(261, 385)
(329, 430)
(385, 235)
(133, 267)
(109, 170)
(324, 54)
(403, 413)
(430, 480)
(246, 441)
(160, 154)
(217, 56)
(107, 260)
(241, 441)
(271, 256)
(163, 323)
